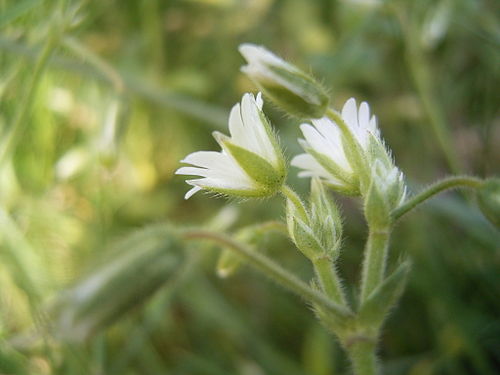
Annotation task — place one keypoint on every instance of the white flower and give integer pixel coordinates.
(250, 164)
(326, 154)
(286, 85)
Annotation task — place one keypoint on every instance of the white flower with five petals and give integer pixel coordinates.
(251, 163)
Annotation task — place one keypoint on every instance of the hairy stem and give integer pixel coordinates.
(271, 269)
(363, 358)
(375, 260)
(434, 189)
(329, 279)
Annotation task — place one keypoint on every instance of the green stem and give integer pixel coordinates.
(353, 147)
(20, 120)
(272, 269)
(375, 260)
(363, 358)
(329, 279)
(436, 188)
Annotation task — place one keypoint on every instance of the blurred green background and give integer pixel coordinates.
(99, 100)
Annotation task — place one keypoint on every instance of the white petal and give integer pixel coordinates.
(236, 127)
(259, 101)
(191, 192)
(350, 113)
(364, 115)
(314, 138)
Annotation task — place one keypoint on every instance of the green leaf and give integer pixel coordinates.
(375, 308)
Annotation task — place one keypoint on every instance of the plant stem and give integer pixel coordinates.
(434, 189)
(272, 269)
(375, 260)
(20, 120)
(329, 279)
(363, 358)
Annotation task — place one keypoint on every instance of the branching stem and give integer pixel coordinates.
(271, 269)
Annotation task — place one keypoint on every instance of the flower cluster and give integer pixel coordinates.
(344, 150)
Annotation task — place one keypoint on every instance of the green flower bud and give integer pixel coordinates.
(325, 218)
(287, 86)
(139, 267)
(488, 198)
(386, 192)
(319, 233)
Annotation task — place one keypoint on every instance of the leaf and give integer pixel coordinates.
(375, 308)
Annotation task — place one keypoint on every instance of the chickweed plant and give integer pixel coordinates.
(344, 153)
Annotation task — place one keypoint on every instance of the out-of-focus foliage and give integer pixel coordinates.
(99, 100)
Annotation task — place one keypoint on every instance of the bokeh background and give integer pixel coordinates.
(99, 100)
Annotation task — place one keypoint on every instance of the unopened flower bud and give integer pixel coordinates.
(319, 233)
(287, 86)
(488, 197)
(386, 192)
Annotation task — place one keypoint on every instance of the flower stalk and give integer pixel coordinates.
(329, 279)
(452, 182)
(272, 270)
(375, 260)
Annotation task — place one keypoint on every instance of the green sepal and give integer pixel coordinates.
(306, 240)
(377, 211)
(488, 199)
(375, 308)
(273, 138)
(325, 218)
(349, 181)
(257, 168)
(378, 151)
(357, 159)
(294, 91)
